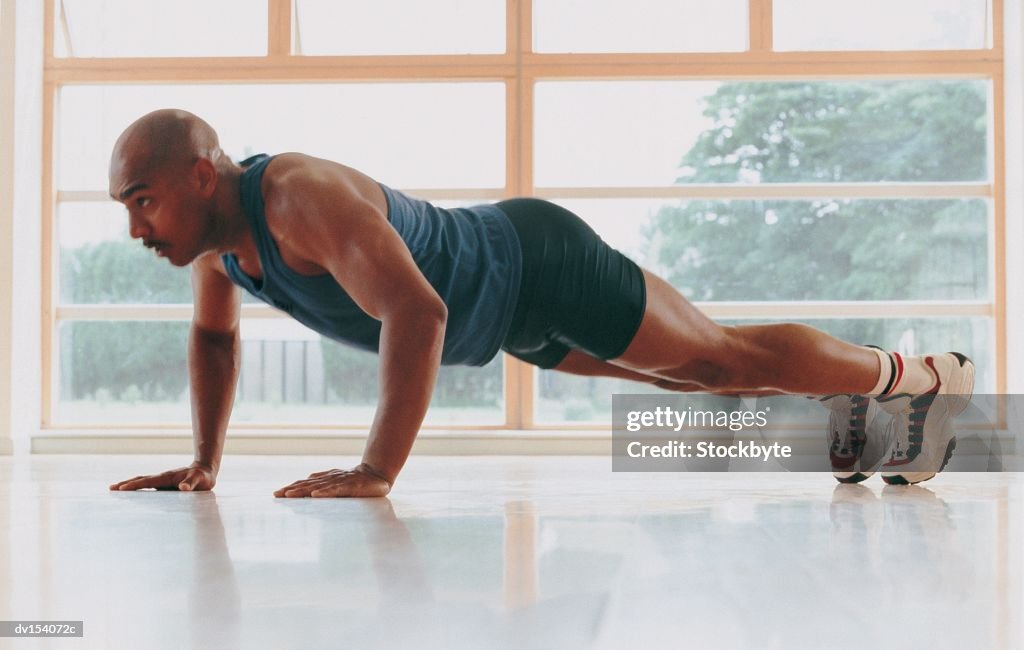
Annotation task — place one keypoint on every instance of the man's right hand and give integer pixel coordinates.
(187, 479)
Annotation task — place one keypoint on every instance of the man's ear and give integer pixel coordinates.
(205, 174)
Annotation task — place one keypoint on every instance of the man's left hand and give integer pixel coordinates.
(362, 481)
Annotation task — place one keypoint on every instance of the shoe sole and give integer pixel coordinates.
(852, 477)
(913, 478)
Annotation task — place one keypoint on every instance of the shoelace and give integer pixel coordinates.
(898, 430)
(839, 424)
(844, 434)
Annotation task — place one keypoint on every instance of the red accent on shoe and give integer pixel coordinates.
(840, 463)
(938, 382)
(894, 463)
(899, 371)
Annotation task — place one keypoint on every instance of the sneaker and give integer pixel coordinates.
(848, 420)
(922, 425)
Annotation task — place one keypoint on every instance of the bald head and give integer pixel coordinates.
(164, 141)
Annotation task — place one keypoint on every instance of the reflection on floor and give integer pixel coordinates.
(510, 552)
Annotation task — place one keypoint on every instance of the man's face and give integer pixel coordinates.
(165, 210)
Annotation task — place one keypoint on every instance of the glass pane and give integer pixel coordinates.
(640, 25)
(400, 27)
(121, 372)
(571, 399)
(462, 395)
(803, 250)
(100, 263)
(419, 135)
(136, 372)
(881, 24)
(606, 134)
(128, 28)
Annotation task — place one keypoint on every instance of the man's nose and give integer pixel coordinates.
(136, 227)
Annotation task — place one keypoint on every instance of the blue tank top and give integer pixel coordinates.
(471, 257)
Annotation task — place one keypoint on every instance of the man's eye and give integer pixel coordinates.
(142, 202)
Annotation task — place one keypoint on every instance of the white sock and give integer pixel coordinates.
(886, 372)
(900, 374)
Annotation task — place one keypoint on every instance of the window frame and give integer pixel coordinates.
(520, 68)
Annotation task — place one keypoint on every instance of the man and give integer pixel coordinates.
(366, 265)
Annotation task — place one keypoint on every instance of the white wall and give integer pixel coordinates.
(21, 55)
(6, 216)
(28, 150)
(1014, 74)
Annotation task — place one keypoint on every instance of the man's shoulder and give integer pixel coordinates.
(292, 185)
(299, 190)
(300, 172)
(289, 173)
(310, 202)
(294, 182)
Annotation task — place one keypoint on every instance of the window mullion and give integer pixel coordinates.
(760, 25)
(779, 191)
(279, 28)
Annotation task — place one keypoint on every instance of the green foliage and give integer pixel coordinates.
(351, 377)
(842, 132)
(832, 249)
(121, 272)
(351, 374)
(132, 361)
(464, 386)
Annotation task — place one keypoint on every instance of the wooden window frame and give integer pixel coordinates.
(520, 68)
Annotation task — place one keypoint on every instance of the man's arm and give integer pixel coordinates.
(213, 362)
(411, 341)
(214, 358)
(346, 234)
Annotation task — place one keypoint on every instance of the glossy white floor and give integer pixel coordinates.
(510, 552)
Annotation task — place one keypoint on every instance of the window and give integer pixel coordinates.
(882, 24)
(771, 159)
(390, 27)
(192, 28)
(288, 374)
(639, 25)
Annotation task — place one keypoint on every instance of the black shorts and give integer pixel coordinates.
(576, 292)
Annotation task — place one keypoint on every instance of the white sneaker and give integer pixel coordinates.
(853, 454)
(922, 426)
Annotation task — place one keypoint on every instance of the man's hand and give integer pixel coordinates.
(187, 479)
(362, 481)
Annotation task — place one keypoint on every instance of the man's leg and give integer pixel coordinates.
(580, 363)
(679, 343)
